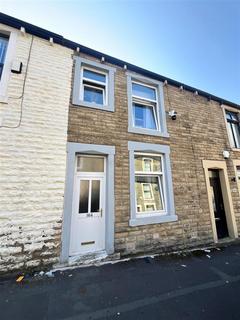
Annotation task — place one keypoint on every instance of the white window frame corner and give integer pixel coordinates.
(168, 196)
(160, 108)
(10, 56)
(77, 94)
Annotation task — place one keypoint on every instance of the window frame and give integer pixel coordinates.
(162, 185)
(158, 110)
(137, 100)
(9, 57)
(78, 83)
(234, 143)
(98, 86)
(169, 214)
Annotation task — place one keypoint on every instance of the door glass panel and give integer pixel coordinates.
(95, 203)
(83, 197)
(90, 164)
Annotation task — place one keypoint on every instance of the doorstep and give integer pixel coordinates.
(90, 259)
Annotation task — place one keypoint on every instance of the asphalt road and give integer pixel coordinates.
(202, 285)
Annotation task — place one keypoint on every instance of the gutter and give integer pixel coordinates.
(45, 34)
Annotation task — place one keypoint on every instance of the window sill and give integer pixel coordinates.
(152, 220)
(94, 106)
(148, 132)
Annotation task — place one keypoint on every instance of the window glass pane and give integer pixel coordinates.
(236, 134)
(147, 192)
(93, 94)
(3, 49)
(143, 91)
(91, 75)
(156, 186)
(229, 126)
(228, 115)
(147, 165)
(90, 164)
(156, 163)
(144, 116)
(95, 206)
(150, 207)
(83, 197)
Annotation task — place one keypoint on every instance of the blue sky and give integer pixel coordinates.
(196, 42)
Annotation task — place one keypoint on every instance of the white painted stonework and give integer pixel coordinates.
(33, 156)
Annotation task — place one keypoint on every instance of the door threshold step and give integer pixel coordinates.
(90, 259)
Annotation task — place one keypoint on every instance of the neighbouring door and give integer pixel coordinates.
(88, 210)
(218, 205)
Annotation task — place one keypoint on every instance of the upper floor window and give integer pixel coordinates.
(144, 105)
(146, 108)
(93, 85)
(3, 50)
(233, 123)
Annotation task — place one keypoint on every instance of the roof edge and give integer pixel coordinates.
(59, 39)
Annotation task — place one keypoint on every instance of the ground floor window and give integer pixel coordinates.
(151, 192)
(149, 184)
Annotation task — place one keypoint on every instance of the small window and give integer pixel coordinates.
(149, 185)
(94, 86)
(90, 164)
(144, 106)
(233, 128)
(3, 50)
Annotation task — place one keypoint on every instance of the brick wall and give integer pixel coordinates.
(198, 133)
(33, 156)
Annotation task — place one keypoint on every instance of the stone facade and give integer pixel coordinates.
(33, 156)
(198, 133)
(33, 159)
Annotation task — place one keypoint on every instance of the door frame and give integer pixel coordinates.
(227, 199)
(73, 149)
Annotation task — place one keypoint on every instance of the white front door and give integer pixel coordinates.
(88, 211)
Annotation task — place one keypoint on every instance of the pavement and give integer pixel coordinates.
(199, 285)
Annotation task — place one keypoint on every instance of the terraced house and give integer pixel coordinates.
(100, 157)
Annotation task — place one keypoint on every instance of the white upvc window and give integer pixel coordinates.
(8, 40)
(233, 126)
(146, 113)
(93, 85)
(3, 49)
(145, 106)
(151, 193)
(94, 88)
(149, 185)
